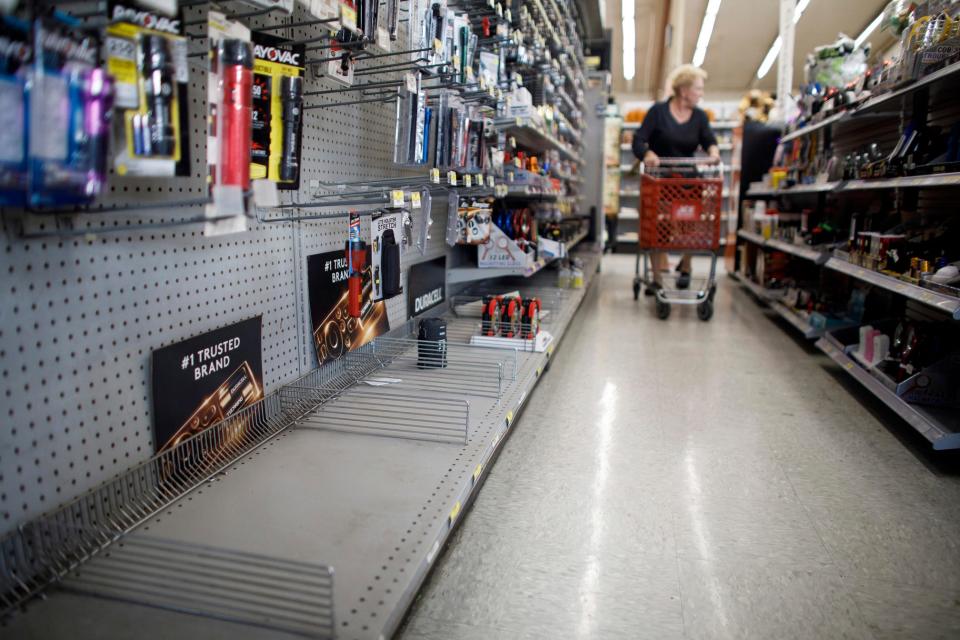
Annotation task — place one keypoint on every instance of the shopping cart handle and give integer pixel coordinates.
(690, 161)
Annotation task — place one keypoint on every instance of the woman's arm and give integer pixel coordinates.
(708, 140)
(641, 139)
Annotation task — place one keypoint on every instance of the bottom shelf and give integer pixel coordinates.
(798, 322)
(940, 426)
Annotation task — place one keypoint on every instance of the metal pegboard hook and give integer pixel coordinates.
(294, 25)
(235, 16)
(382, 99)
(404, 66)
(358, 87)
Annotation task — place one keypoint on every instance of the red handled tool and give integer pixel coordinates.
(356, 263)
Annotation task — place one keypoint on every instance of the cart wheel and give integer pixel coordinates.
(713, 293)
(663, 310)
(636, 290)
(705, 310)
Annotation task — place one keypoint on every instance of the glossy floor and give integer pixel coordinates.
(688, 480)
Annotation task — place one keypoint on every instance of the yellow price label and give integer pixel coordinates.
(415, 199)
(848, 366)
(519, 121)
(479, 179)
(517, 162)
(435, 176)
(550, 350)
(452, 178)
(509, 418)
(396, 197)
(477, 472)
(467, 181)
(513, 139)
(491, 182)
(455, 512)
(539, 371)
(437, 45)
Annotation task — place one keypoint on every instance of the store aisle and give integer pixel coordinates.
(691, 480)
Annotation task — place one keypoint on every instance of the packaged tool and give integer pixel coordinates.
(147, 57)
(70, 102)
(277, 111)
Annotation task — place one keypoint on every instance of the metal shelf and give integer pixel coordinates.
(927, 422)
(822, 187)
(884, 99)
(796, 320)
(458, 275)
(754, 288)
(801, 251)
(837, 117)
(906, 182)
(383, 535)
(945, 303)
(531, 195)
(534, 139)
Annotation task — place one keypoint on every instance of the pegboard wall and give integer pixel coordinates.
(86, 298)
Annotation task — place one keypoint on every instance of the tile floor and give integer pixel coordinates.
(687, 480)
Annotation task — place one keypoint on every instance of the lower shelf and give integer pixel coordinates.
(940, 427)
(379, 509)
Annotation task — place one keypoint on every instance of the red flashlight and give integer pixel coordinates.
(236, 115)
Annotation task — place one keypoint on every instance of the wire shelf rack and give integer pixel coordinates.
(251, 589)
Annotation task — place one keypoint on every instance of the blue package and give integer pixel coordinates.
(15, 57)
(64, 56)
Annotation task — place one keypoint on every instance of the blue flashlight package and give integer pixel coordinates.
(64, 90)
(15, 57)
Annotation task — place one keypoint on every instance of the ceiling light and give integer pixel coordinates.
(774, 51)
(628, 30)
(706, 31)
(870, 29)
(770, 59)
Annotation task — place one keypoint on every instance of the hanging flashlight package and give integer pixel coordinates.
(386, 244)
(411, 138)
(356, 251)
(147, 57)
(70, 102)
(277, 111)
(15, 59)
(425, 203)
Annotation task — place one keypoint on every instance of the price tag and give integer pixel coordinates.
(435, 176)
(519, 121)
(509, 417)
(513, 142)
(483, 82)
(452, 178)
(455, 512)
(437, 45)
(470, 74)
(467, 181)
(508, 15)
(479, 179)
(517, 162)
(415, 199)
(492, 92)
(499, 10)
(411, 81)
(396, 197)
(491, 182)
(477, 472)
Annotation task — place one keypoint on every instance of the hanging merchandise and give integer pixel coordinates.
(15, 58)
(424, 201)
(70, 101)
(324, 10)
(147, 56)
(356, 251)
(412, 130)
(340, 64)
(368, 17)
(386, 253)
(277, 111)
(229, 122)
(348, 15)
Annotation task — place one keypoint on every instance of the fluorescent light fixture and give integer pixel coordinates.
(629, 34)
(770, 59)
(706, 31)
(870, 29)
(774, 51)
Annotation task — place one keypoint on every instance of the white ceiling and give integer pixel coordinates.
(743, 33)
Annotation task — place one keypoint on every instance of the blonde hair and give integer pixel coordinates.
(684, 76)
(756, 106)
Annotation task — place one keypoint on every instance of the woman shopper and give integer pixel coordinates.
(676, 128)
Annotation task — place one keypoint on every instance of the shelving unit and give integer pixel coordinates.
(941, 428)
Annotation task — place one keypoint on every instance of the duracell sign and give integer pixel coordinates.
(425, 286)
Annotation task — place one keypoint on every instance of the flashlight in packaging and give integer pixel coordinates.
(147, 57)
(356, 263)
(15, 58)
(278, 69)
(69, 111)
(236, 112)
(291, 90)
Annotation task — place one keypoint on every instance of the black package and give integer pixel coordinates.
(390, 264)
(432, 343)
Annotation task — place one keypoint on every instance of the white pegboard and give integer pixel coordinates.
(81, 314)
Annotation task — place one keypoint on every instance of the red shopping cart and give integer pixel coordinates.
(680, 211)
